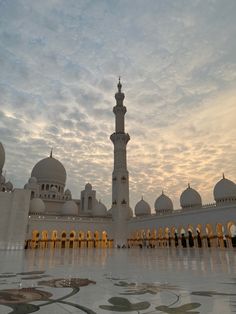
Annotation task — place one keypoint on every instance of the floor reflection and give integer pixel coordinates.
(113, 281)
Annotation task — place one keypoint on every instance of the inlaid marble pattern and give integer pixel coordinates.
(114, 281)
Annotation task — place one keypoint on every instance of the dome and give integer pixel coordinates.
(70, 208)
(100, 209)
(142, 208)
(53, 189)
(26, 186)
(190, 198)
(9, 186)
(37, 206)
(163, 203)
(88, 187)
(2, 157)
(32, 180)
(67, 192)
(224, 190)
(49, 170)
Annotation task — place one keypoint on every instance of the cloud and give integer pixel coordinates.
(60, 62)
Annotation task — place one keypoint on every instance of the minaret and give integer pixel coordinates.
(121, 211)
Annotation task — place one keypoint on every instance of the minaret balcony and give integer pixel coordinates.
(120, 138)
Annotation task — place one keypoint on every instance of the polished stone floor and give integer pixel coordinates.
(113, 281)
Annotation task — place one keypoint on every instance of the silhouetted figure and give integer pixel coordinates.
(190, 239)
(225, 241)
(183, 240)
(176, 240)
(169, 239)
(233, 239)
(199, 239)
(208, 242)
(140, 246)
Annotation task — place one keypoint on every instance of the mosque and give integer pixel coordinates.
(44, 213)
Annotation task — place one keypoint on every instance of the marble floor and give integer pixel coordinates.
(164, 280)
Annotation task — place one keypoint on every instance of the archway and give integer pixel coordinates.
(44, 239)
(190, 236)
(231, 226)
(89, 243)
(104, 239)
(35, 239)
(54, 238)
(63, 239)
(96, 239)
(72, 239)
(160, 237)
(183, 236)
(209, 235)
(81, 239)
(199, 235)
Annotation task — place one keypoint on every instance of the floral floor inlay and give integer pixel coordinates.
(94, 282)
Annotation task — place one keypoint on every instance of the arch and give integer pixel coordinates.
(54, 235)
(63, 234)
(35, 235)
(44, 235)
(89, 239)
(72, 239)
(104, 239)
(210, 235)
(63, 239)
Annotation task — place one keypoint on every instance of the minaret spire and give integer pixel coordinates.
(119, 85)
(120, 175)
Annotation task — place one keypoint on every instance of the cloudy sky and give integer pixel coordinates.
(59, 65)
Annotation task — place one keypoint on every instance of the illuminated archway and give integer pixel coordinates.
(63, 239)
(104, 239)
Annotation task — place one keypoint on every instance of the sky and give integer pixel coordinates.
(59, 66)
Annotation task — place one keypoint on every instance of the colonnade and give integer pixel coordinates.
(72, 239)
(207, 235)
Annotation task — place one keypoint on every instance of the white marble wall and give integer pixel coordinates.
(14, 209)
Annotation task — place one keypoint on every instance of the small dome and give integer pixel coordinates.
(9, 186)
(88, 187)
(53, 189)
(49, 170)
(2, 157)
(100, 209)
(224, 190)
(70, 208)
(37, 206)
(190, 198)
(163, 203)
(26, 186)
(32, 181)
(142, 208)
(67, 192)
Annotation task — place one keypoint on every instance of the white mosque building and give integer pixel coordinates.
(44, 214)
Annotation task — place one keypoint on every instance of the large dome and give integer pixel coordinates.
(100, 209)
(142, 208)
(37, 206)
(190, 198)
(49, 170)
(70, 208)
(2, 157)
(225, 190)
(163, 203)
